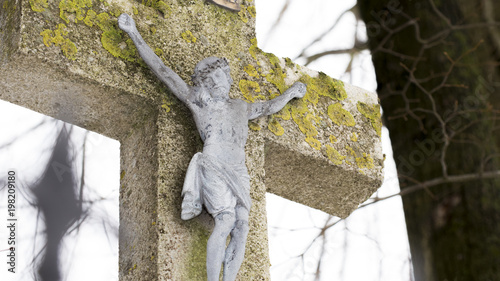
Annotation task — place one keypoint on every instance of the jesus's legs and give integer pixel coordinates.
(235, 251)
(224, 223)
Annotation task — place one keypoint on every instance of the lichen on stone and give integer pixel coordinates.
(313, 142)
(158, 5)
(276, 75)
(304, 119)
(246, 87)
(114, 43)
(158, 52)
(253, 50)
(90, 17)
(323, 85)
(333, 155)
(188, 36)
(372, 112)
(59, 38)
(340, 116)
(36, 5)
(252, 11)
(166, 105)
(354, 137)
(243, 15)
(275, 127)
(250, 70)
(365, 162)
(254, 126)
(77, 7)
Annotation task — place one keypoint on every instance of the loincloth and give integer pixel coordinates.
(216, 185)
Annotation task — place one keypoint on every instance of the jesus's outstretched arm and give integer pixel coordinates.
(257, 109)
(175, 83)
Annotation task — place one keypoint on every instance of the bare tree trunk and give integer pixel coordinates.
(437, 65)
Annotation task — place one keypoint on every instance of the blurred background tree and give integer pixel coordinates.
(437, 74)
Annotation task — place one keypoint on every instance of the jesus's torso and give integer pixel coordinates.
(223, 127)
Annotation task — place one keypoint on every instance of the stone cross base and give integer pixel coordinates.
(70, 61)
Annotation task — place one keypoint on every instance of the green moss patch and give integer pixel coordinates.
(59, 38)
(37, 5)
(334, 155)
(340, 116)
(372, 112)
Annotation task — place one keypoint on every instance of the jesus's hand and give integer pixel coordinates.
(299, 90)
(126, 23)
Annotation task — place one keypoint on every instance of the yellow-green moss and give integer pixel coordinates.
(166, 105)
(253, 50)
(365, 162)
(304, 112)
(340, 116)
(115, 11)
(59, 39)
(158, 5)
(246, 87)
(250, 70)
(336, 90)
(304, 119)
(114, 43)
(252, 11)
(354, 137)
(289, 63)
(350, 150)
(195, 266)
(159, 52)
(243, 15)
(275, 127)
(89, 18)
(112, 39)
(372, 112)
(333, 139)
(188, 36)
(254, 126)
(276, 75)
(323, 86)
(135, 11)
(103, 20)
(334, 155)
(37, 5)
(77, 7)
(314, 143)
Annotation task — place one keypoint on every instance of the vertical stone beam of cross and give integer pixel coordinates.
(69, 60)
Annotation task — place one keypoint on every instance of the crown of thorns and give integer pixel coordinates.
(208, 65)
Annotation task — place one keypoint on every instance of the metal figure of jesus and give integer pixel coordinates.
(217, 177)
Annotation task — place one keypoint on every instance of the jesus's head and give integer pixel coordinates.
(213, 74)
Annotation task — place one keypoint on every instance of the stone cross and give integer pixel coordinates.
(69, 60)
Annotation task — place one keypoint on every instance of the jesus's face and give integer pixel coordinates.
(218, 84)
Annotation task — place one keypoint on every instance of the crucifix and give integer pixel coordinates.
(218, 176)
(322, 150)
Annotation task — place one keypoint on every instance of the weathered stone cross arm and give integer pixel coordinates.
(69, 60)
